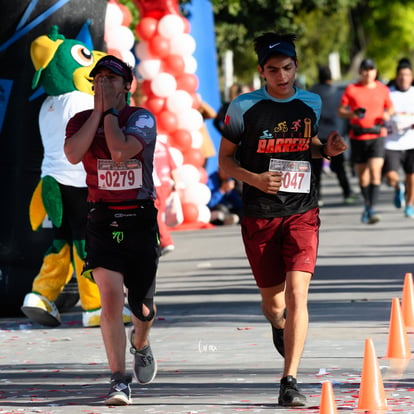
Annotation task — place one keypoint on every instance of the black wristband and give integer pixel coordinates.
(323, 153)
(111, 111)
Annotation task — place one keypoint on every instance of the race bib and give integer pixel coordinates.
(126, 175)
(296, 175)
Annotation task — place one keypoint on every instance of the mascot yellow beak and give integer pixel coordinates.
(81, 78)
(42, 51)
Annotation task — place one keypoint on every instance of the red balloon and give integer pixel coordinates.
(187, 82)
(155, 104)
(159, 46)
(187, 25)
(190, 212)
(196, 100)
(115, 52)
(194, 157)
(166, 122)
(145, 87)
(203, 175)
(157, 7)
(181, 139)
(173, 64)
(126, 15)
(146, 28)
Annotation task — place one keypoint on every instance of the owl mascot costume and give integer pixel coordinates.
(62, 70)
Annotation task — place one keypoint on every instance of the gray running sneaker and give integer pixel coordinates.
(145, 365)
(120, 391)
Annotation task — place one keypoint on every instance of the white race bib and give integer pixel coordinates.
(296, 175)
(126, 175)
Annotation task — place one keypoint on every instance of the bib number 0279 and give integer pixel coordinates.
(119, 175)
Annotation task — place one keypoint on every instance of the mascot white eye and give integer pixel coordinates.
(82, 55)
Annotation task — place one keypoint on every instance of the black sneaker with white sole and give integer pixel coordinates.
(278, 340)
(120, 391)
(289, 395)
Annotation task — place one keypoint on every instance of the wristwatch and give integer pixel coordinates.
(111, 111)
(323, 153)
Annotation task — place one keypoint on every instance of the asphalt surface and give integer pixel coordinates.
(212, 344)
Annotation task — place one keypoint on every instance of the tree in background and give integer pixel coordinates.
(380, 29)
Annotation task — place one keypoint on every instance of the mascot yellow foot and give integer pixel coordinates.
(44, 312)
(92, 318)
(41, 310)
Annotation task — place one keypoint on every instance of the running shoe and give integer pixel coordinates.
(145, 366)
(120, 391)
(278, 340)
(365, 216)
(409, 211)
(167, 249)
(373, 217)
(41, 310)
(399, 196)
(351, 199)
(289, 395)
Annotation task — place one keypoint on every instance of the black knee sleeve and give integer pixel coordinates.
(136, 309)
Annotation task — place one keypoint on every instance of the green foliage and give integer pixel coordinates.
(380, 29)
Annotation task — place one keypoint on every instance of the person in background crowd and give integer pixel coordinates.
(328, 122)
(235, 90)
(367, 105)
(165, 167)
(225, 203)
(399, 144)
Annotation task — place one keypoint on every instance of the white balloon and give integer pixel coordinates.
(128, 57)
(179, 101)
(177, 156)
(197, 193)
(191, 120)
(183, 44)
(197, 139)
(119, 38)
(163, 85)
(113, 16)
(190, 64)
(171, 25)
(187, 175)
(204, 214)
(149, 68)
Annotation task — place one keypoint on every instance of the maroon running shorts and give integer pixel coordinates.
(275, 246)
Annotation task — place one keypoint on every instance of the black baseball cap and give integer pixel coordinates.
(367, 64)
(115, 65)
(276, 48)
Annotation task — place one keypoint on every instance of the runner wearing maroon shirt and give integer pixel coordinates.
(116, 144)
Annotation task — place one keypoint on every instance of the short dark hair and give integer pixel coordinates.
(274, 44)
(324, 74)
(404, 63)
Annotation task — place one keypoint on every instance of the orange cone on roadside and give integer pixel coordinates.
(328, 405)
(398, 344)
(407, 304)
(371, 392)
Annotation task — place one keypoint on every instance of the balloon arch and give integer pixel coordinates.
(169, 84)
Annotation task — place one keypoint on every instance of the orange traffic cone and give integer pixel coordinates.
(407, 304)
(371, 392)
(398, 345)
(328, 405)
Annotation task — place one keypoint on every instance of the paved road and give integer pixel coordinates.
(213, 346)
